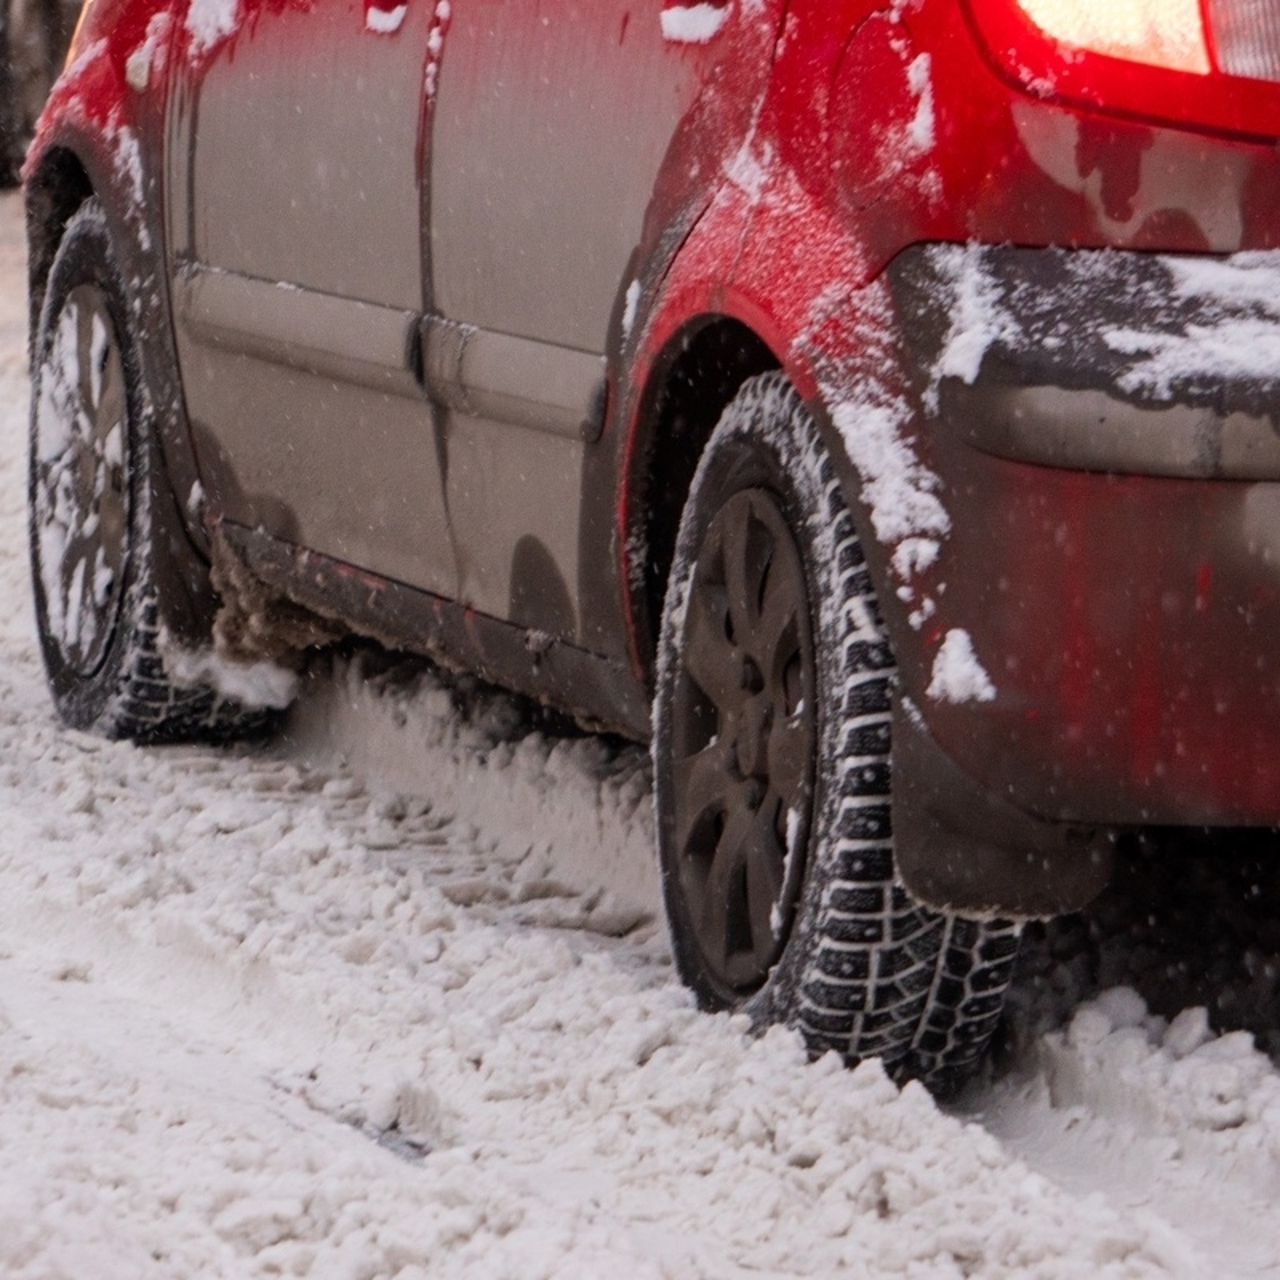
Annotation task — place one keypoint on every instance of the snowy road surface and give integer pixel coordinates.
(350, 1006)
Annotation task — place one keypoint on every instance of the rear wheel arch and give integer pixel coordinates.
(694, 379)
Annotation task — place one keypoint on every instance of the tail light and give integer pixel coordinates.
(1245, 34)
(1246, 37)
(1161, 33)
(1208, 63)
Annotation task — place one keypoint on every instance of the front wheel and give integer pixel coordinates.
(94, 475)
(773, 772)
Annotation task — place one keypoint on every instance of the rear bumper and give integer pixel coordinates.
(1100, 360)
(1105, 424)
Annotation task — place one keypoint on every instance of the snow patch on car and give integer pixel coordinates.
(978, 320)
(83, 61)
(751, 171)
(1244, 278)
(1238, 338)
(873, 418)
(209, 21)
(693, 24)
(148, 55)
(1226, 330)
(1235, 349)
(630, 306)
(435, 47)
(629, 309)
(915, 555)
(385, 22)
(901, 492)
(958, 677)
(128, 162)
(921, 131)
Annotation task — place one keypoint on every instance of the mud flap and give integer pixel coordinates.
(960, 848)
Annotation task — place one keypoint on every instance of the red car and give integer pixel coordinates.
(771, 380)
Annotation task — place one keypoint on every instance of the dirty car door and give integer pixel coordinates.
(295, 223)
(549, 128)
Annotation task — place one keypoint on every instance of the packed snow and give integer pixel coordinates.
(210, 21)
(389, 997)
(693, 23)
(385, 22)
(957, 674)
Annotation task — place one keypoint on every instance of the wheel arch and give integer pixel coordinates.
(692, 380)
(999, 859)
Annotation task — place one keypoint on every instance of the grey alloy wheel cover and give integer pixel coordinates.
(744, 740)
(81, 491)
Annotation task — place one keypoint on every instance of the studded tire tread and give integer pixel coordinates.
(866, 971)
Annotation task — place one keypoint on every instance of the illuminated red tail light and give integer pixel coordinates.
(1160, 33)
(1208, 64)
(1245, 34)
(1246, 37)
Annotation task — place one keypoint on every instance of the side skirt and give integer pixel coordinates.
(599, 692)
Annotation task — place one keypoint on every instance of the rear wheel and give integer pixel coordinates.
(773, 773)
(93, 468)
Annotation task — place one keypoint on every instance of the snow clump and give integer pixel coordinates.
(693, 24)
(209, 21)
(958, 676)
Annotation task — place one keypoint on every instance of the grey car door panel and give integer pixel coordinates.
(297, 263)
(307, 167)
(549, 127)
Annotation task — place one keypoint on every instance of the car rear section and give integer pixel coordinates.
(1021, 259)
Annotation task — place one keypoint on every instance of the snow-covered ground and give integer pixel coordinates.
(390, 998)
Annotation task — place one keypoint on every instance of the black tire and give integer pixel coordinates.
(93, 470)
(772, 770)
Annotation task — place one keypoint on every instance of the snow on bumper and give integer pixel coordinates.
(1126, 363)
(1105, 426)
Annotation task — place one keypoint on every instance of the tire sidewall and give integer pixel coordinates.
(768, 439)
(86, 257)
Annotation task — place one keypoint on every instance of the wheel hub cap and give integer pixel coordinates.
(744, 739)
(81, 486)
